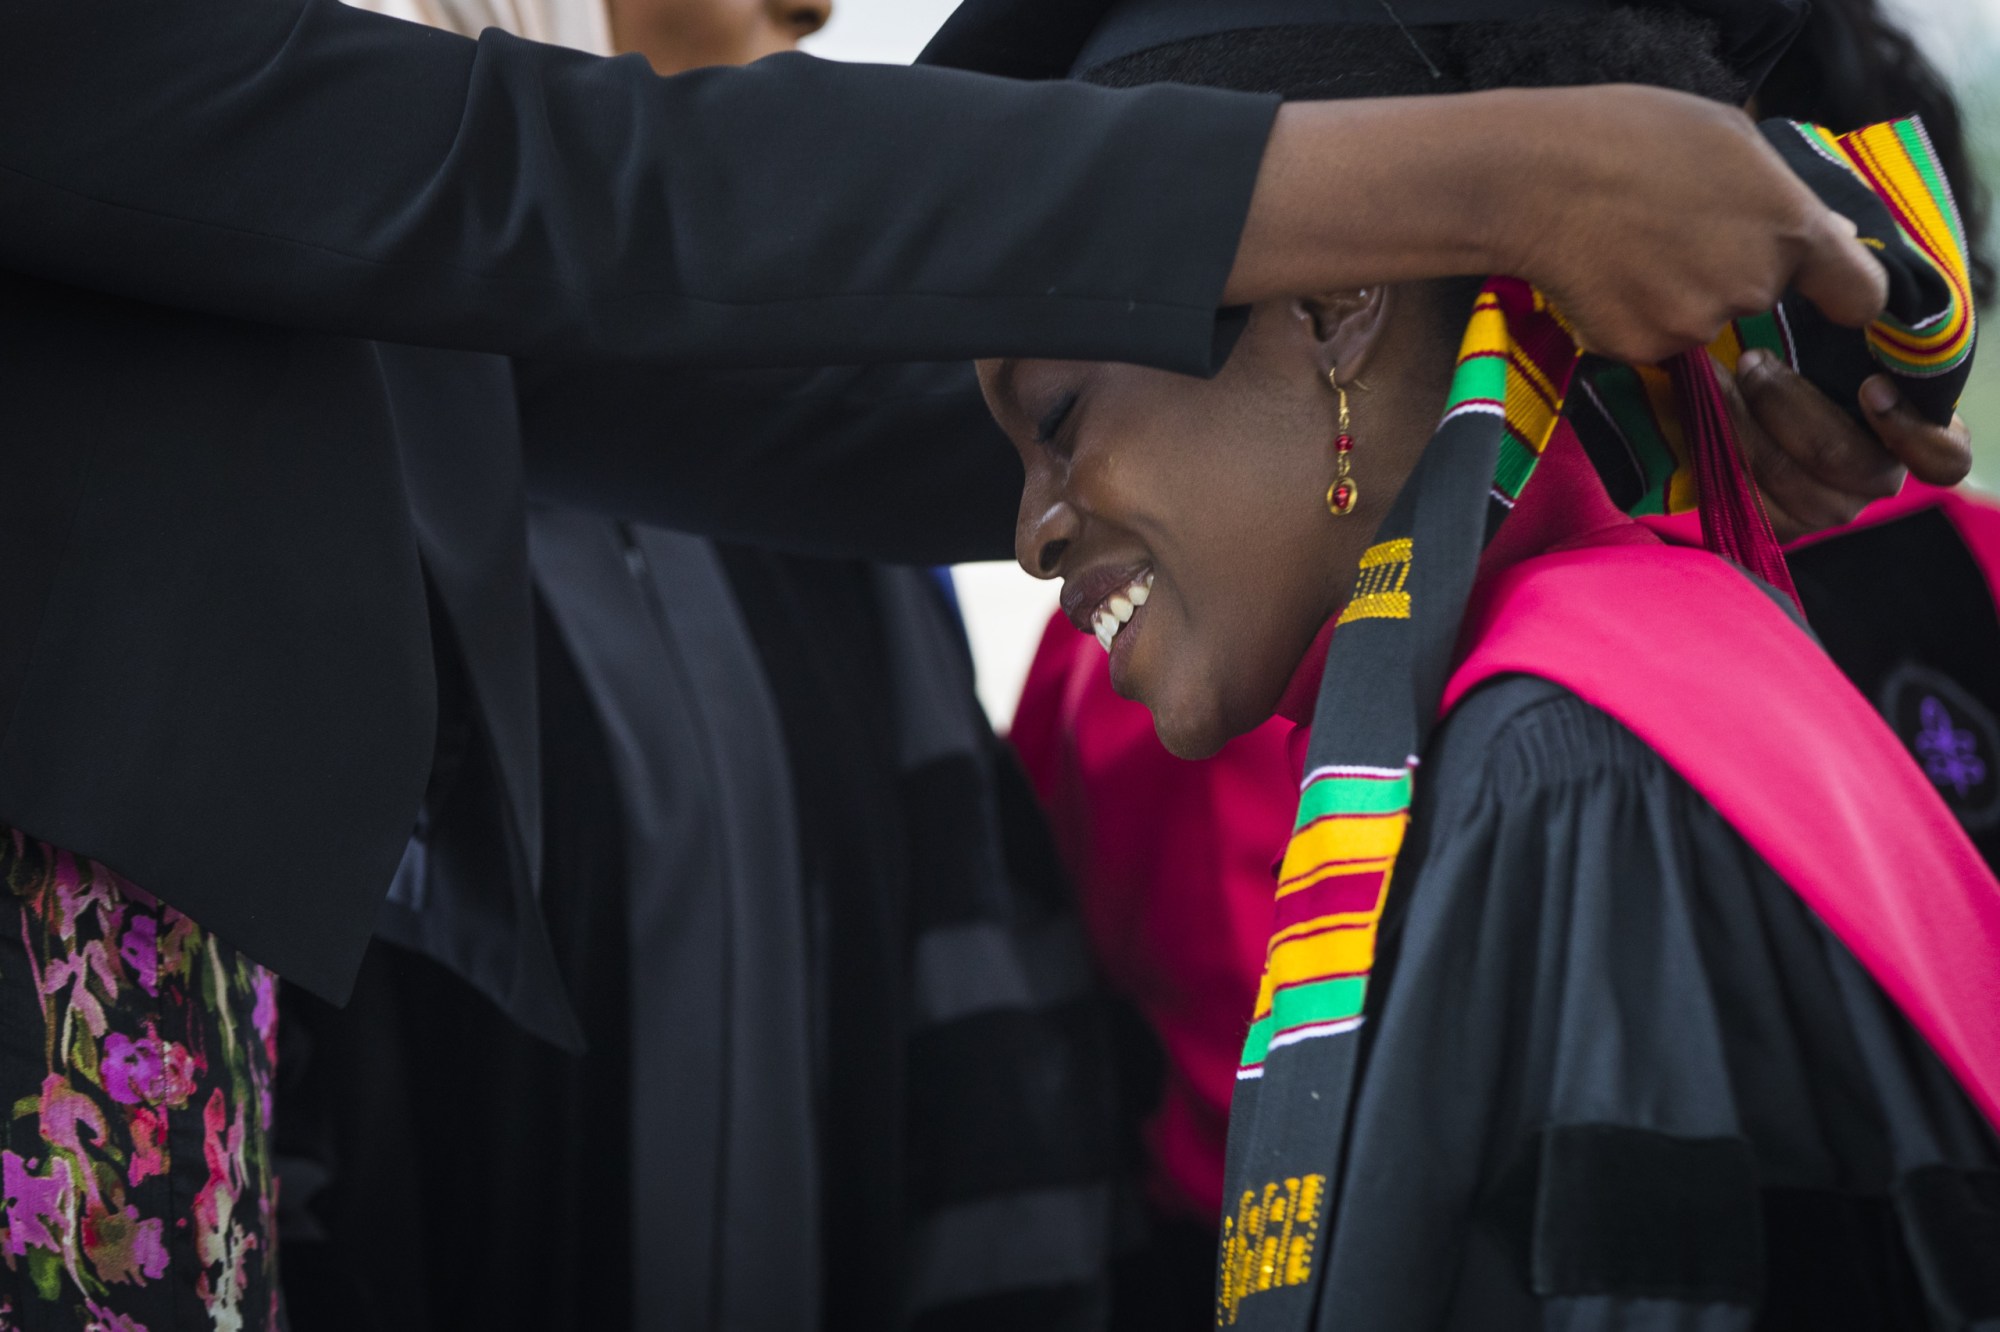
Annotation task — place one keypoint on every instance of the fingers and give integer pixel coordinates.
(1817, 467)
(1644, 331)
(1938, 454)
(1839, 275)
(1814, 432)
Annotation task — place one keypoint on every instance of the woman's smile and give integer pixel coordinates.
(1103, 602)
(1109, 603)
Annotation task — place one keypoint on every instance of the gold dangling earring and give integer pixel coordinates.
(1343, 494)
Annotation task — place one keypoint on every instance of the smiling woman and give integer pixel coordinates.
(1552, 1077)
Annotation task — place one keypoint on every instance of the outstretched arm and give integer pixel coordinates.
(301, 163)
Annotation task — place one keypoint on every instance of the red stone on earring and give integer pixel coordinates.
(1345, 444)
(1343, 497)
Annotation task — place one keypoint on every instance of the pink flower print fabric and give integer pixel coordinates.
(136, 1065)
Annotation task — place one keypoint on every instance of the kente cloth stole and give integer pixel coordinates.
(1395, 647)
(1506, 397)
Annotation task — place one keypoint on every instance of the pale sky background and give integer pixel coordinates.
(1005, 610)
(886, 31)
(1956, 32)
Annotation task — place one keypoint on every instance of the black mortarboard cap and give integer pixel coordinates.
(1054, 39)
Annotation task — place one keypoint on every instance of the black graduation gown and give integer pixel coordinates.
(845, 1064)
(204, 210)
(721, 1148)
(967, 1144)
(1615, 1074)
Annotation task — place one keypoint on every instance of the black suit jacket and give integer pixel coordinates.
(216, 661)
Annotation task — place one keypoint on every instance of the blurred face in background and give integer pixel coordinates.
(677, 35)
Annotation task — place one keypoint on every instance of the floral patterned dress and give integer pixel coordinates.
(136, 1060)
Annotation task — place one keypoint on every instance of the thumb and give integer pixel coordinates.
(1839, 275)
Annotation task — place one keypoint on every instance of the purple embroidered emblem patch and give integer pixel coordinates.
(1951, 735)
(1950, 754)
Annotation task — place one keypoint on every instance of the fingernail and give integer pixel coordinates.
(1755, 364)
(1880, 395)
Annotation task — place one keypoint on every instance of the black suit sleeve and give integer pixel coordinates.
(900, 463)
(298, 162)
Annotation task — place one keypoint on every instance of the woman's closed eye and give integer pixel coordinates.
(1049, 432)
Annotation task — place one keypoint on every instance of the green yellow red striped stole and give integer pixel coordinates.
(1906, 211)
(1898, 164)
(1506, 397)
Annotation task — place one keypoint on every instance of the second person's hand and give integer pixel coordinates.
(1815, 464)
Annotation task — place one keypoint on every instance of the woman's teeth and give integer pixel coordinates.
(1113, 614)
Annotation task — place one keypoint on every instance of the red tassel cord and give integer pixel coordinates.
(1734, 522)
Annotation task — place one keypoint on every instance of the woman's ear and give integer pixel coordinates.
(1349, 326)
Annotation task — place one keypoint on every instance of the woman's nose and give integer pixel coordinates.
(1043, 529)
(800, 18)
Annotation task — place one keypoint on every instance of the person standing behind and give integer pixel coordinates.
(842, 1047)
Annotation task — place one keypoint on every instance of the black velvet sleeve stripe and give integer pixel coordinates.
(1952, 1221)
(1645, 1215)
